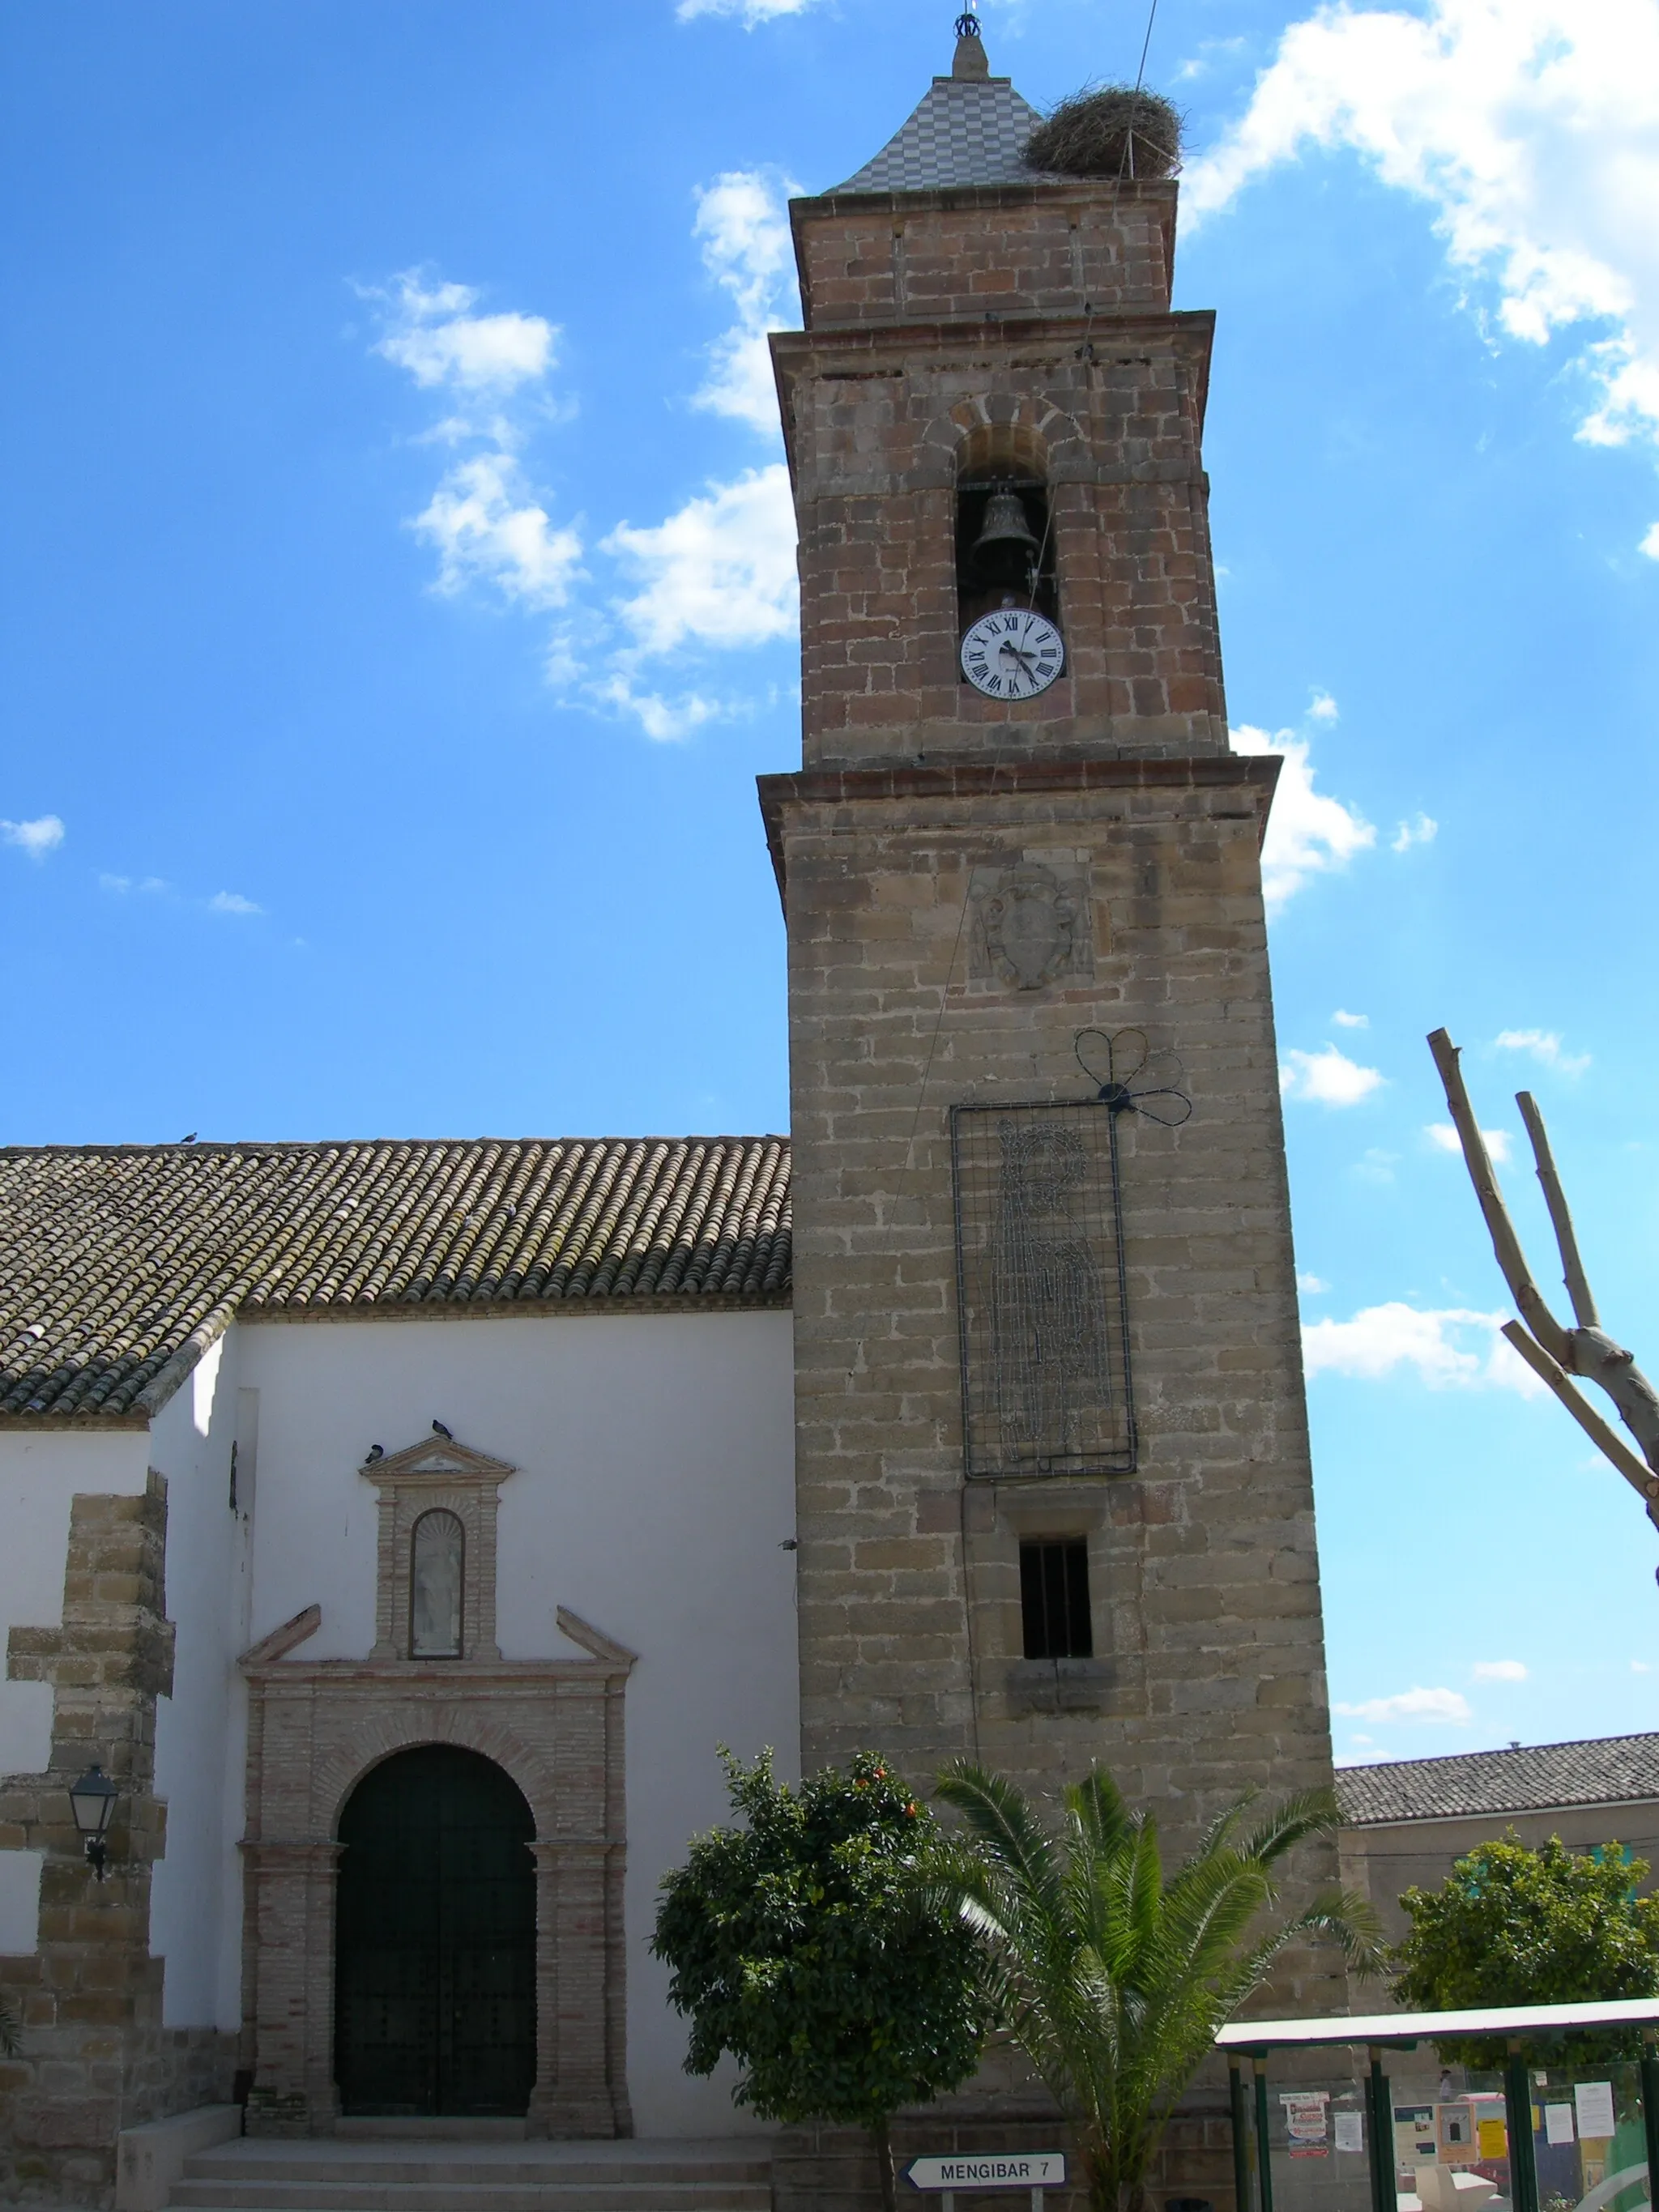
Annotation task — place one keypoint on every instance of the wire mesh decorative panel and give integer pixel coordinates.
(1040, 1292)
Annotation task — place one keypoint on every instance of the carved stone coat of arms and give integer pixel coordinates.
(1032, 926)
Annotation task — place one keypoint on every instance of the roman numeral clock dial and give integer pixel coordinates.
(1013, 653)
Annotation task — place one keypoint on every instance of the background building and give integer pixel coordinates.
(1407, 1820)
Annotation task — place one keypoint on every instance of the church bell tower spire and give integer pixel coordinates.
(1054, 1500)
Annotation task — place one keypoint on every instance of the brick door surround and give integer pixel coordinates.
(315, 1728)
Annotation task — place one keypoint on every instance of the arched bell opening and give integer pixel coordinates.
(434, 1939)
(1005, 533)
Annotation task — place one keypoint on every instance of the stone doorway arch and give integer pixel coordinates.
(434, 1939)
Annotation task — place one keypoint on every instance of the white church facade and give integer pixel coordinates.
(244, 1569)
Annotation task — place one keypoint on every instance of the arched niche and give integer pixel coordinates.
(1005, 537)
(437, 1581)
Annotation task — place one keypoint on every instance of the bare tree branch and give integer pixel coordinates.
(1505, 1243)
(1586, 1351)
(1573, 1275)
(1636, 1472)
(1599, 1360)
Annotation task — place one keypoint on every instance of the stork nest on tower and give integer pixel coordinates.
(1113, 131)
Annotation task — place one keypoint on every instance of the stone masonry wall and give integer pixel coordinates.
(833, 2169)
(905, 256)
(1110, 413)
(95, 2058)
(1207, 1624)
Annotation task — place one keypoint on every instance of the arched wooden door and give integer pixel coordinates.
(435, 1939)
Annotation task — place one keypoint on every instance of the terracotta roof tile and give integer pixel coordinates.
(116, 1260)
(1535, 1777)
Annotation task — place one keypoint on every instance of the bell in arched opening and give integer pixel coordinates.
(1008, 549)
(1004, 544)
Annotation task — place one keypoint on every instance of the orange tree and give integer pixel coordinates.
(808, 1944)
(1510, 1925)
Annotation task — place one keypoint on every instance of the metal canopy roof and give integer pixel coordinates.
(1396, 2027)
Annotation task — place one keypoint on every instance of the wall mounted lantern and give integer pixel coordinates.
(92, 1799)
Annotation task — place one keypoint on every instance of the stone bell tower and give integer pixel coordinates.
(1053, 1477)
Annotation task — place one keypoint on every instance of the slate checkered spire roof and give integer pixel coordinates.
(965, 132)
(119, 1264)
(1609, 1770)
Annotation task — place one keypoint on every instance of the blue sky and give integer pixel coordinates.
(396, 611)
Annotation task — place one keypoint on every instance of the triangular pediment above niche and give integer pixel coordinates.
(437, 1460)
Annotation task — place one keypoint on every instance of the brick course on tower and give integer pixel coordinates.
(968, 320)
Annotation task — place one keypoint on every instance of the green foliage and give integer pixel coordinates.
(1510, 1925)
(1112, 1978)
(805, 1945)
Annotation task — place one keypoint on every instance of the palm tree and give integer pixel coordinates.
(1112, 1979)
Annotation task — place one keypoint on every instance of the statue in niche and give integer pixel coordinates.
(1049, 1323)
(434, 1608)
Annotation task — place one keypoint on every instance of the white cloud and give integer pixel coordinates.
(1377, 1165)
(664, 720)
(743, 223)
(1527, 127)
(1452, 1348)
(1438, 1708)
(1498, 1670)
(1322, 708)
(37, 838)
(1327, 1077)
(1423, 829)
(1346, 1021)
(435, 336)
(233, 902)
(150, 885)
(485, 521)
(1308, 833)
(1445, 1139)
(1313, 1284)
(1649, 544)
(1640, 1666)
(720, 572)
(487, 528)
(716, 575)
(748, 12)
(1545, 1047)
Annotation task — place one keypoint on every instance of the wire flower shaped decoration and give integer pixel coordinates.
(1130, 1078)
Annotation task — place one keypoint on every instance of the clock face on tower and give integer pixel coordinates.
(1013, 653)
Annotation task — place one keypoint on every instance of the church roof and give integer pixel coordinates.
(965, 132)
(1608, 1769)
(120, 1263)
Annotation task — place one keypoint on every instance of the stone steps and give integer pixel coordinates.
(420, 2173)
